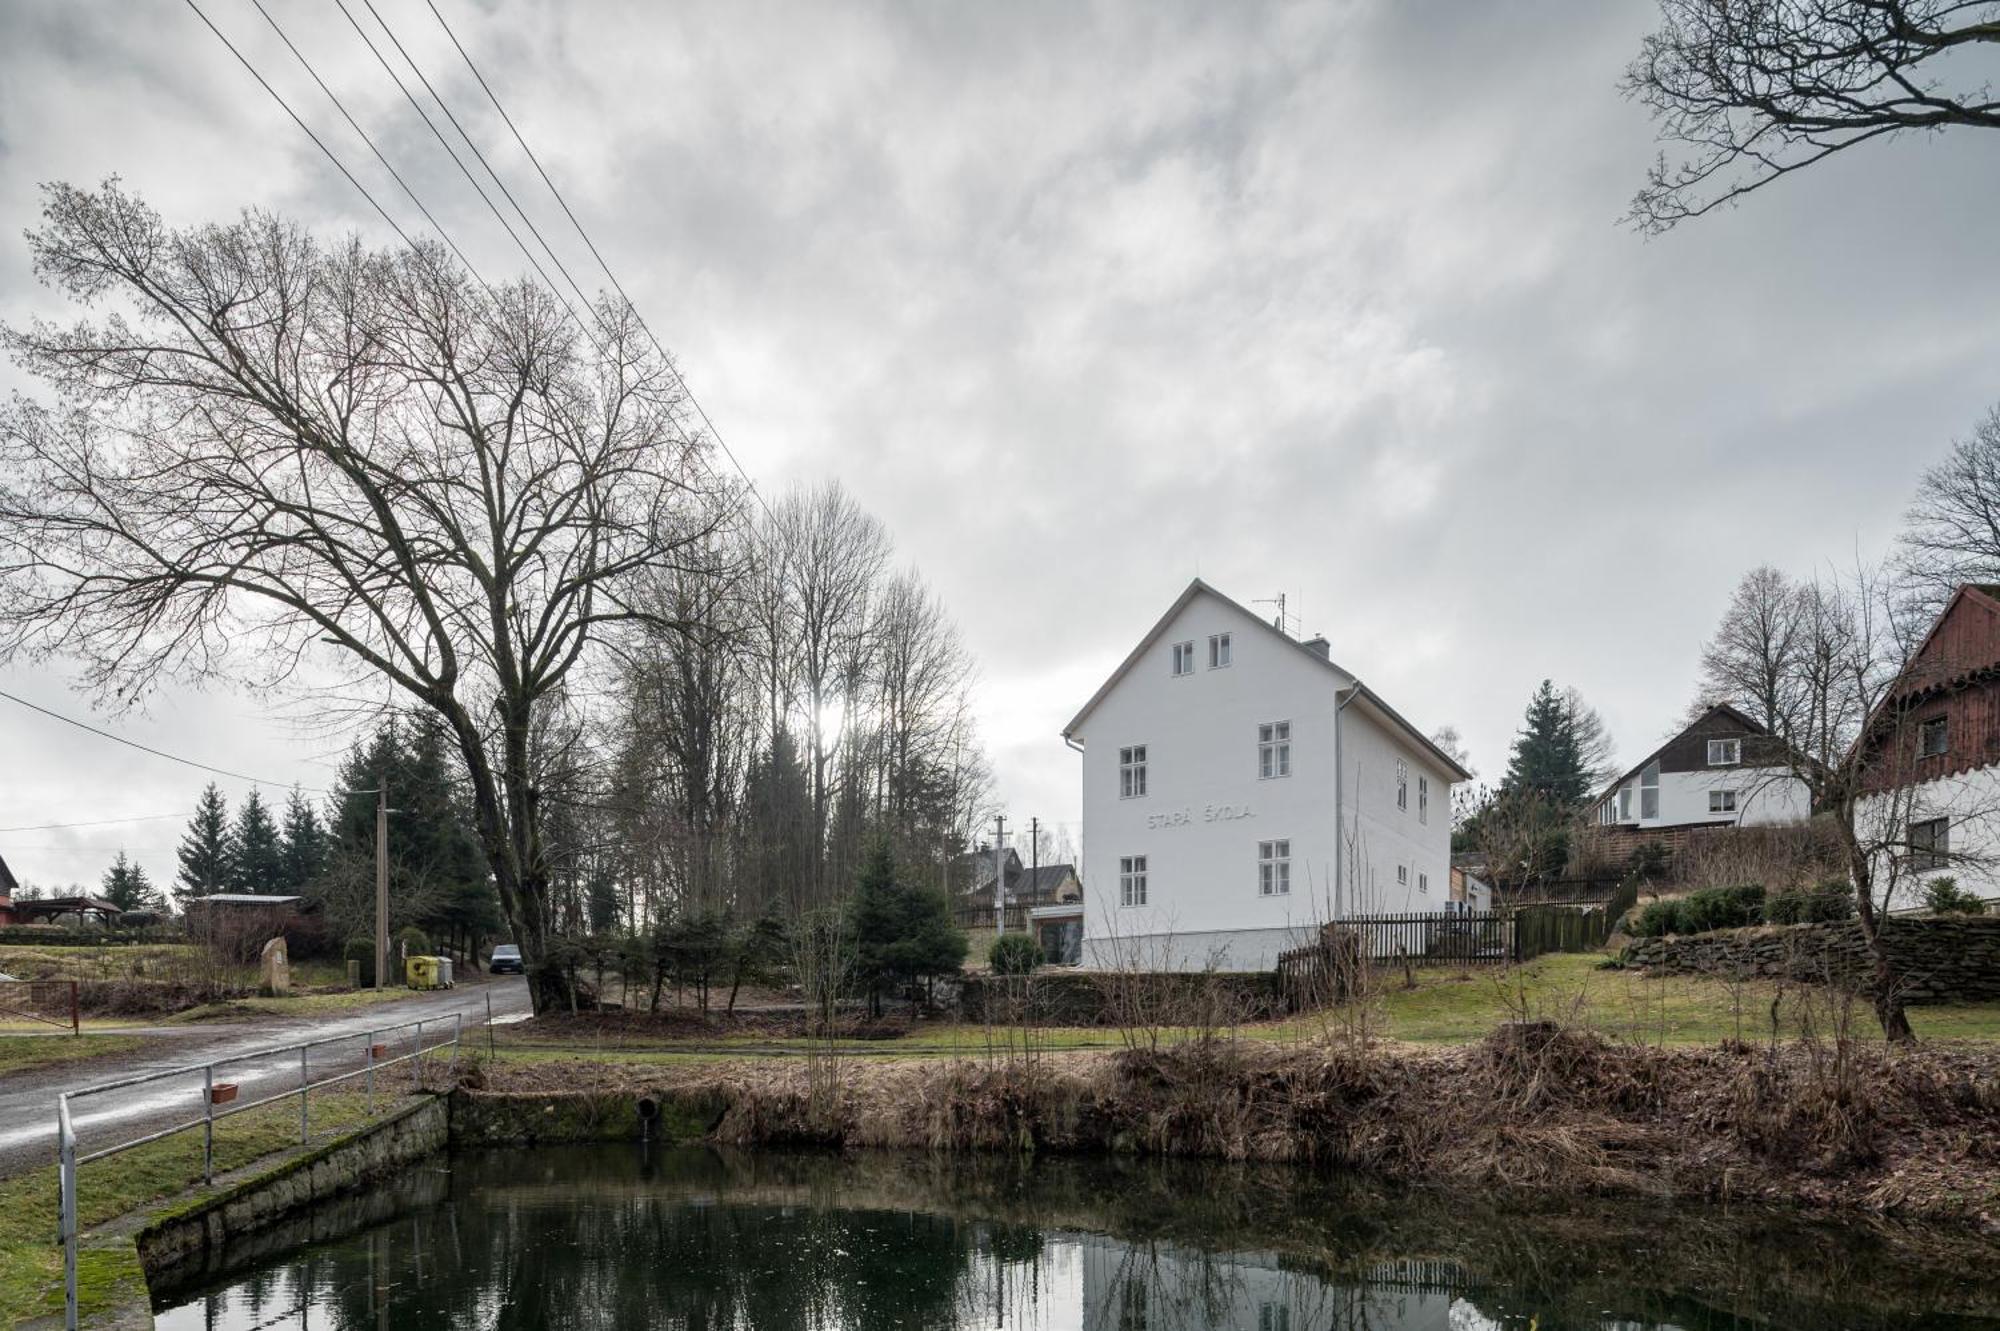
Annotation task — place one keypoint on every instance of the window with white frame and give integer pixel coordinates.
(1132, 772)
(1649, 791)
(1402, 784)
(1402, 875)
(1624, 803)
(1725, 752)
(1218, 650)
(1424, 883)
(1722, 801)
(1132, 880)
(1274, 1317)
(1184, 658)
(1274, 750)
(1424, 799)
(1274, 868)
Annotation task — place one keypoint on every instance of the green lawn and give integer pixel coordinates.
(1445, 1006)
(30, 1258)
(19, 1052)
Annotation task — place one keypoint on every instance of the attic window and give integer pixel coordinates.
(1183, 658)
(1934, 737)
(1725, 752)
(1218, 650)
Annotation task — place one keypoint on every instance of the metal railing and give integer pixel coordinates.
(218, 1101)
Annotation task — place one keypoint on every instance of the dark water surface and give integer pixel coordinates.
(598, 1237)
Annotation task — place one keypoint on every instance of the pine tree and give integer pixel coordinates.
(304, 850)
(901, 932)
(257, 857)
(126, 886)
(205, 851)
(1546, 757)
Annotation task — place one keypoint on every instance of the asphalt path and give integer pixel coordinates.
(28, 1098)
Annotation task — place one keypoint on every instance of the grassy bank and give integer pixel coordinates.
(31, 1263)
(18, 1053)
(1832, 1123)
(1436, 1007)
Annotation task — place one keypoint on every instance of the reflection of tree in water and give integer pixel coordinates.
(575, 1240)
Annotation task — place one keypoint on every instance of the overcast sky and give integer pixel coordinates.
(1329, 300)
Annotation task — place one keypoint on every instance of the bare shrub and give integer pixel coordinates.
(1796, 855)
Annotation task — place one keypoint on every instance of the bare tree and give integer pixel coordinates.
(1846, 701)
(1450, 743)
(1951, 534)
(1748, 91)
(1596, 751)
(274, 452)
(1750, 662)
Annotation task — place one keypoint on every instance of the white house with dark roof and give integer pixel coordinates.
(1723, 769)
(1240, 789)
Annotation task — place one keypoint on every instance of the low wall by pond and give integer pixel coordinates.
(1939, 959)
(267, 1197)
(1116, 998)
(482, 1118)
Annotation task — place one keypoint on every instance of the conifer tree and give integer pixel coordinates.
(1547, 759)
(257, 855)
(205, 851)
(126, 886)
(304, 848)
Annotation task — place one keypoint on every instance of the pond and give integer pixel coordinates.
(577, 1238)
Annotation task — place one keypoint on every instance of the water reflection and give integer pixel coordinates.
(582, 1238)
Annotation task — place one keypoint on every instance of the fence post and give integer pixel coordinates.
(417, 1057)
(208, 1125)
(457, 1034)
(305, 1099)
(489, 1025)
(371, 1074)
(66, 1167)
(75, 1010)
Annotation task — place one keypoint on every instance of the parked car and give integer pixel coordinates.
(506, 958)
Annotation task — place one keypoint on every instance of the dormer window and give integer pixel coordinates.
(1184, 658)
(1725, 752)
(1934, 737)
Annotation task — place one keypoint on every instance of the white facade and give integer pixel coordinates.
(1743, 796)
(1225, 851)
(1964, 809)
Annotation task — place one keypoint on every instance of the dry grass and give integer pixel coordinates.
(1536, 1105)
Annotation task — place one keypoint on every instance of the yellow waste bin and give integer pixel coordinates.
(421, 972)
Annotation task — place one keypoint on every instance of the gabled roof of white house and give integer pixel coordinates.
(1749, 723)
(1361, 691)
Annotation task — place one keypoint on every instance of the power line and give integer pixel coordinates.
(100, 822)
(287, 108)
(157, 753)
(386, 164)
(596, 254)
(459, 162)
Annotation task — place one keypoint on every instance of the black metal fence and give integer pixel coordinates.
(1472, 938)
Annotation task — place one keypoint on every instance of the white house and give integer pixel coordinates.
(1723, 769)
(1240, 789)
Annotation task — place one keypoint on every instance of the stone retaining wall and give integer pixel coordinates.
(1940, 959)
(1118, 998)
(266, 1198)
(483, 1118)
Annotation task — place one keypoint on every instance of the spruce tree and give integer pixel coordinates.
(126, 886)
(257, 857)
(204, 852)
(1546, 758)
(304, 849)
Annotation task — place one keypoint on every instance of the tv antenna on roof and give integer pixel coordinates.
(1281, 622)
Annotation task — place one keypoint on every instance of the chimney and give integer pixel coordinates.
(1319, 647)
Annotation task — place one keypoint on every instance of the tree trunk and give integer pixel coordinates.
(1885, 987)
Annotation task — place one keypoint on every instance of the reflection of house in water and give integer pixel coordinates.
(1162, 1287)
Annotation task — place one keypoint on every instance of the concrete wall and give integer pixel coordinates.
(1942, 959)
(383, 1149)
(1206, 808)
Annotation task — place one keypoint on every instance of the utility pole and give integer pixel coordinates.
(382, 881)
(999, 874)
(1035, 859)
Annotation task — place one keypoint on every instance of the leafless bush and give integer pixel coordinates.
(1777, 857)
